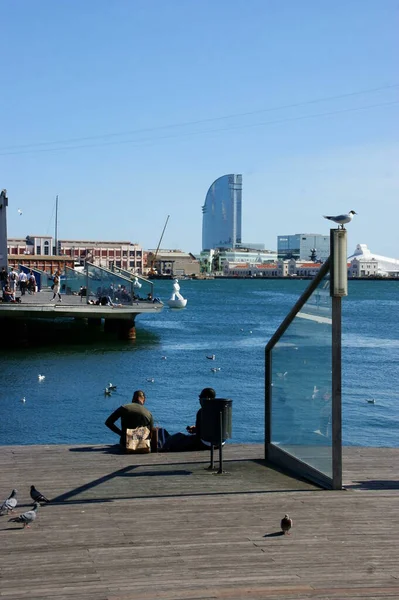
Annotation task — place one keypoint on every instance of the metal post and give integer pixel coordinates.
(87, 282)
(338, 288)
(56, 227)
(336, 395)
(221, 444)
(212, 465)
(269, 400)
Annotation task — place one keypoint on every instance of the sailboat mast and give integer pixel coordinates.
(56, 226)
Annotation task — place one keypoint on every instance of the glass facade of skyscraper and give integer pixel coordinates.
(221, 221)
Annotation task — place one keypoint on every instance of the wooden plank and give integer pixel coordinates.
(160, 526)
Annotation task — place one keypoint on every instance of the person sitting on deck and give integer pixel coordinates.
(8, 295)
(180, 442)
(131, 415)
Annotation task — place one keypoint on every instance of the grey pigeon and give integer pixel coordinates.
(9, 504)
(342, 219)
(286, 524)
(37, 496)
(27, 517)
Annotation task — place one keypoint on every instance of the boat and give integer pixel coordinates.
(176, 300)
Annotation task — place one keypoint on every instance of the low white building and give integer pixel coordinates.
(363, 263)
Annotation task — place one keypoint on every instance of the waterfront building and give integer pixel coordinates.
(125, 255)
(303, 246)
(221, 220)
(272, 269)
(214, 260)
(363, 263)
(3, 229)
(279, 268)
(174, 263)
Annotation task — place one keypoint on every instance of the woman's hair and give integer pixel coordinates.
(138, 394)
(208, 393)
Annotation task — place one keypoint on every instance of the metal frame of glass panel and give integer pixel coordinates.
(304, 436)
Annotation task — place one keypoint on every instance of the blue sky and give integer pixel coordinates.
(128, 110)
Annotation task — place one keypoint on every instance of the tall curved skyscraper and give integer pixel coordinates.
(221, 221)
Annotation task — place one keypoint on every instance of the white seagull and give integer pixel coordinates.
(342, 219)
(41, 377)
(20, 212)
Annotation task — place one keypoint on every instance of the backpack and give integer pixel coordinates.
(13, 277)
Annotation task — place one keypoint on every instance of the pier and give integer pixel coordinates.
(162, 526)
(119, 318)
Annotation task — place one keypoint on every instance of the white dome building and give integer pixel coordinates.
(363, 263)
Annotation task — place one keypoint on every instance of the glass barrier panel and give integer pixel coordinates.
(108, 287)
(74, 282)
(301, 362)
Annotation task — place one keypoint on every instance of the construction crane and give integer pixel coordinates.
(152, 272)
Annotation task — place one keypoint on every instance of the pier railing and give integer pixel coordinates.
(303, 383)
(97, 283)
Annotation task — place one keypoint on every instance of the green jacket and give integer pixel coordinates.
(131, 415)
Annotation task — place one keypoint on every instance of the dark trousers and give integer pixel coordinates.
(180, 442)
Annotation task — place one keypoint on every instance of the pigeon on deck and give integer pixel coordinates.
(286, 524)
(37, 496)
(10, 503)
(27, 517)
(342, 219)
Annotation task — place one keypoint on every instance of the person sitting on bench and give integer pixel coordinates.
(180, 442)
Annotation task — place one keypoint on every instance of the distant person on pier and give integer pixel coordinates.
(8, 295)
(3, 278)
(13, 279)
(131, 415)
(31, 283)
(180, 442)
(56, 286)
(23, 282)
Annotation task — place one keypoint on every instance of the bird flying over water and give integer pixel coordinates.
(37, 496)
(10, 503)
(107, 392)
(342, 219)
(41, 377)
(286, 524)
(27, 517)
(111, 386)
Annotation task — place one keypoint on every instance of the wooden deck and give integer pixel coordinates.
(160, 526)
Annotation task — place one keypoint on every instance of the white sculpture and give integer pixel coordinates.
(137, 284)
(176, 300)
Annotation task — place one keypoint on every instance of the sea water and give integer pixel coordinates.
(232, 319)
